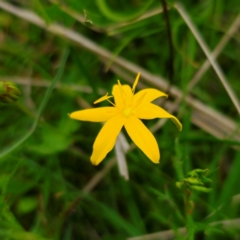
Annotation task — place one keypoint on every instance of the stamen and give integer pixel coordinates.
(101, 99)
(111, 103)
(135, 83)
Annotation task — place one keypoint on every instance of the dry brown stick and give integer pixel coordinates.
(170, 234)
(25, 81)
(227, 36)
(99, 176)
(79, 39)
(207, 52)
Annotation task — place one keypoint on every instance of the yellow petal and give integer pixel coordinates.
(122, 95)
(106, 139)
(143, 138)
(151, 111)
(135, 82)
(101, 114)
(150, 95)
(101, 99)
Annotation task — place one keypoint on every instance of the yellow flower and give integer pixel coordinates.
(127, 111)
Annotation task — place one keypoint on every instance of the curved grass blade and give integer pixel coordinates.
(118, 17)
(41, 108)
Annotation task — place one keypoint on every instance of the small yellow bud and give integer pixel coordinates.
(9, 92)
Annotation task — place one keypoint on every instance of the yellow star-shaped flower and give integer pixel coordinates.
(127, 111)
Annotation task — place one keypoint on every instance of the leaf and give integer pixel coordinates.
(49, 141)
(27, 205)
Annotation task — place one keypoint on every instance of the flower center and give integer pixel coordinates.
(128, 111)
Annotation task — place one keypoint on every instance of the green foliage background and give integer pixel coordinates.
(45, 168)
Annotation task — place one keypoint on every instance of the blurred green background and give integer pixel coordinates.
(49, 188)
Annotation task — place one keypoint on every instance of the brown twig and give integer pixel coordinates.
(170, 44)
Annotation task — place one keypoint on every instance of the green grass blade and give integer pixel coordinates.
(41, 108)
(118, 17)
